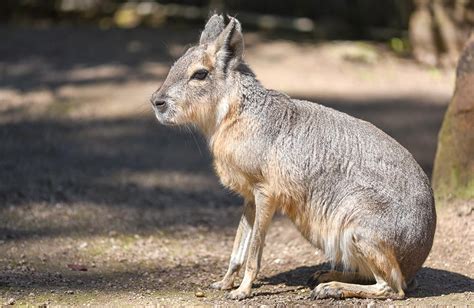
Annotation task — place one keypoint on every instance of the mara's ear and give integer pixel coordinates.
(213, 28)
(229, 46)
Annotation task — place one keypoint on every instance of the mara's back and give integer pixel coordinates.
(325, 146)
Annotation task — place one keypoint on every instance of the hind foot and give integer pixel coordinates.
(324, 290)
(338, 290)
(331, 275)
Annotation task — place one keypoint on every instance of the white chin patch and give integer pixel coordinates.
(158, 117)
(164, 120)
(161, 118)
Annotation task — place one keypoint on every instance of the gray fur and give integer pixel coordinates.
(230, 45)
(213, 28)
(348, 165)
(346, 173)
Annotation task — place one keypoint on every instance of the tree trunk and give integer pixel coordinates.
(422, 34)
(453, 174)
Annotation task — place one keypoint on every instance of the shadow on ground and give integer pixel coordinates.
(137, 278)
(44, 58)
(36, 58)
(428, 280)
(132, 278)
(135, 163)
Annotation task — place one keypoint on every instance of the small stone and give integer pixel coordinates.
(199, 294)
(11, 301)
(69, 292)
(31, 294)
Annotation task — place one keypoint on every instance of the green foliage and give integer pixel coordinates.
(400, 46)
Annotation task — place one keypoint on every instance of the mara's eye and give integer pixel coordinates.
(200, 74)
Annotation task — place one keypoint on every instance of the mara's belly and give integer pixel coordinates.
(327, 227)
(312, 228)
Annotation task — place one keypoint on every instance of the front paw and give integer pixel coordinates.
(238, 294)
(222, 285)
(326, 290)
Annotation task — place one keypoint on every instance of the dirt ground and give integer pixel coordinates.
(101, 205)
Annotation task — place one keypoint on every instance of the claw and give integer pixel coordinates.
(221, 285)
(238, 294)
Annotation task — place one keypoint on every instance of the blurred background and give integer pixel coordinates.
(99, 204)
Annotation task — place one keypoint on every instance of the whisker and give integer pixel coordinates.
(144, 108)
(195, 139)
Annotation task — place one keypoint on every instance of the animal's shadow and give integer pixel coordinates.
(431, 281)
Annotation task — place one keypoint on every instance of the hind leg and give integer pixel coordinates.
(332, 275)
(377, 260)
(335, 289)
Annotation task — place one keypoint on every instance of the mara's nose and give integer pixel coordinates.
(158, 102)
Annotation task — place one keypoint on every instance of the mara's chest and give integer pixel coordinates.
(238, 158)
(235, 175)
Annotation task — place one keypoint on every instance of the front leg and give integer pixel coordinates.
(264, 211)
(241, 245)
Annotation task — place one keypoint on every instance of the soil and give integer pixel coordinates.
(101, 205)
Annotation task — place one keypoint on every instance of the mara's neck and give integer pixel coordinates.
(246, 93)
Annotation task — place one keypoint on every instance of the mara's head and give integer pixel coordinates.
(202, 77)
